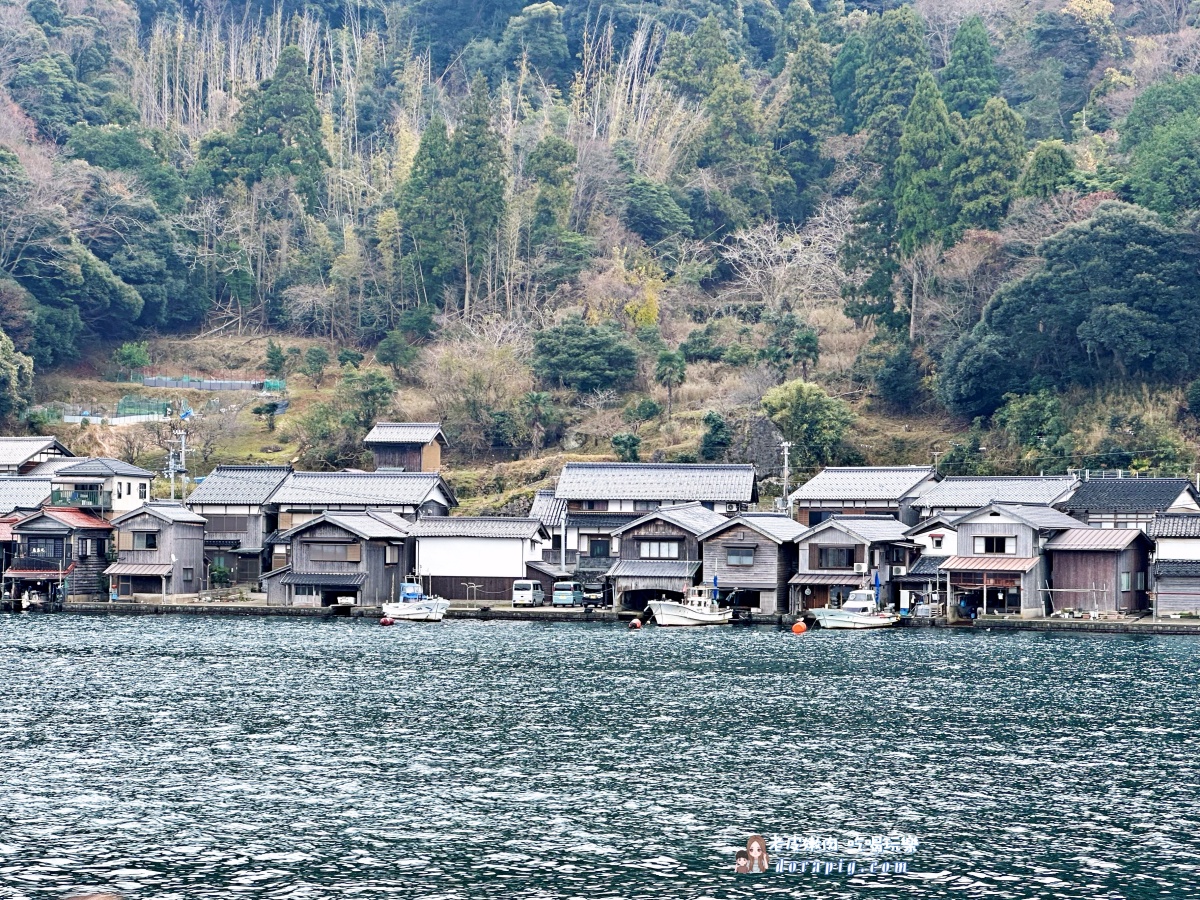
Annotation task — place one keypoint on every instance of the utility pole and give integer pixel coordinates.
(787, 476)
(182, 435)
(171, 468)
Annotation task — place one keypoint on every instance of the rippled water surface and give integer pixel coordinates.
(205, 758)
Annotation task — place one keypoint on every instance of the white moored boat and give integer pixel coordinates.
(858, 611)
(416, 606)
(699, 607)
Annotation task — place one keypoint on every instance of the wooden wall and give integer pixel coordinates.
(689, 547)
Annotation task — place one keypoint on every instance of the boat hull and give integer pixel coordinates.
(431, 609)
(669, 613)
(840, 618)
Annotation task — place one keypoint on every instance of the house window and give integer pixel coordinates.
(305, 590)
(816, 517)
(391, 555)
(989, 545)
(187, 575)
(936, 541)
(328, 552)
(599, 547)
(645, 505)
(143, 490)
(49, 548)
(1141, 581)
(145, 540)
(227, 524)
(658, 549)
(118, 490)
(1125, 579)
(739, 556)
(835, 557)
(101, 546)
(594, 505)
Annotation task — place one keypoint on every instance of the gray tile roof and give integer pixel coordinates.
(1127, 494)
(171, 512)
(16, 450)
(691, 517)
(1042, 517)
(774, 525)
(379, 489)
(862, 483)
(475, 527)
(600, 520)
(926, 567)
(23, 492)
(104, 467)
(51, 466)
(548, 509)
(404, 433)
(872, 529)
(325, 579)
(969, 491)
(1174, 525)
(657, 481)
(370, 525)
(654, 568)
(239, 485)
(1177, 568)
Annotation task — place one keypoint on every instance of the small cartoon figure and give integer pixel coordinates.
(741, 862)
(756, 847)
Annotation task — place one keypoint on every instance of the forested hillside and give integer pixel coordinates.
(625, 225)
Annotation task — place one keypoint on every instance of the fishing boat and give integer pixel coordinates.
(860, 610)
(416, 606)
(699, 607)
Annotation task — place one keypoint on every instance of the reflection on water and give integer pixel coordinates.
(212, 758)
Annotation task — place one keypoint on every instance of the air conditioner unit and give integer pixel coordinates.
(899, 571)
(860, 568)
(731, 507)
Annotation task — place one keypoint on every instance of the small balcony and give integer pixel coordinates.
(556, 557)
(595, 564)
(84, 499)
(46, 564)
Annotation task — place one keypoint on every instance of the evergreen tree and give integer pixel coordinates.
(989, 164)
(969, 79)
(691, 62)
(716, 438)
(426, 211)
(804, 120)
(670, 371)
(1050, 169)
(279, 131)
(16, 381)
(1165, 171)
(842, 80)
(923, 209)
(896, 56)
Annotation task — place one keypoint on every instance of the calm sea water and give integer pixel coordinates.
(201, 758)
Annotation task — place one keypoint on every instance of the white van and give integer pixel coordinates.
(528, 593)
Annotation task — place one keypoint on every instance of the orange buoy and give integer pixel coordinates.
(799, 628)
(635, 624)
(386, 621)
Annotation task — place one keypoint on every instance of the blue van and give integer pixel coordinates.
(567, 593)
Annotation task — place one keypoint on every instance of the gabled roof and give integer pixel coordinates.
(1094, 539)
(548, 509)
(104, 467)
(863, 483)
(477, 527)
(239, 485)
(941, 520)
(693, 518)
(654, 568)
(657, 481)
(926, 567)
(51, 466)
(391, 488)
(164, 510)
(1174, 525)
(15, 451)
(1128, 494)
(1044, 518)
(775, 527)
(970, 491)
(868, 529)
(990, 563)
(370, 525)
(23, 492)
(1177, 568)
(68, 516)
(405, 433)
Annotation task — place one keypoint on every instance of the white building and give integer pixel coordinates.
(479, 557)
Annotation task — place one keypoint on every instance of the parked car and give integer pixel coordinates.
(527, 593)
(567, 593)
(593, 594)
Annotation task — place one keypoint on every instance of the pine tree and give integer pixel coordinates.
(426, 212)
(1049, 171)
(691, 62)
(895, 38)
(842, 79)
(969, 79)
(923, 208)
(988, 164)
(804, 121)
(733, 148)
(279, 131)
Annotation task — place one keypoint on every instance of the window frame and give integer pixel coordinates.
(980, 543)
(824, 553)
(658, 549)
(149, 540)
(731, 552)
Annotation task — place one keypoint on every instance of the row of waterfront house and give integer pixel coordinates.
(1029, 546)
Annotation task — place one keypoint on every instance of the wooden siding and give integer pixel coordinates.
(1081, 570)
(400, 456)
(968, 531)
(383, 579)
(182, 540)
(1177, 595)
(657, 529)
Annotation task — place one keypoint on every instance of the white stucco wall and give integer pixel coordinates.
(482, 557)
(949, 542)
(1177, 548)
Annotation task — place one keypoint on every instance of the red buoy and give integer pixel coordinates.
(386, 621)
(799, 628)
(635, 624)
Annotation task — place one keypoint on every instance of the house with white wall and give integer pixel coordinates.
(478, 557)
(1176, 567)
(1130, 502)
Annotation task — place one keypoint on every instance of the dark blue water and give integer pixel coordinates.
(214, 758)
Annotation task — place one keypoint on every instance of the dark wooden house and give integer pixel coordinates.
(750, 558)
(160, 552)
(1099, 569)
(847, 553)
(233, 501)
(60, 547)
(410, 446)
(660, 554)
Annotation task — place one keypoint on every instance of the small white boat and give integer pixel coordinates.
(699, 607)
(858, 611)
(416, 606)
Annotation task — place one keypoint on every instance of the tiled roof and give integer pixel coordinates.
(968, 491)
(774, 525)
(404, 433)
(171, 512)
(1041, 517)
(104, 467)
(1127, 494)
(600, 520)
(872, 529)
(1174, 525)
(71, 517)
(16, 450)
(368, 525)
(23, 492)
(1098, 539)
(654, 568)
(476, 527)
(548, 509)
(51, 466)
(940, 521)
(1177, 568)
(239, 485)
(358, 489)
(988, 563)
(325, 579)
(6, 528)
(693, 518)
(48, 574)
(863, 483)
(657, 481)
(159, 569)
(926, 567)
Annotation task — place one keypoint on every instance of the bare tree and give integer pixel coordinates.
(132, 443)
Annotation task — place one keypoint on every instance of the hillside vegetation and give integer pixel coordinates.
(674, 230)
